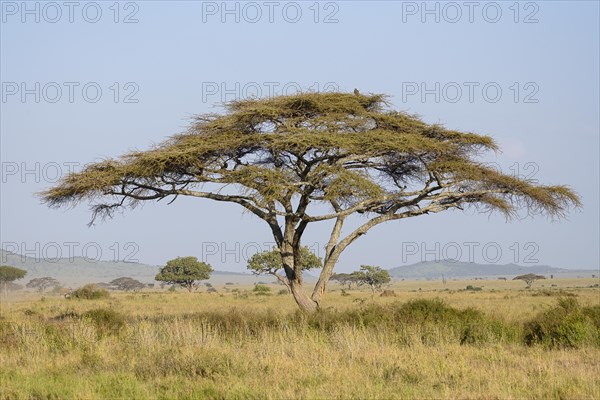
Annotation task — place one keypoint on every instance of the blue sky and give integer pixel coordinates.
(75, 91)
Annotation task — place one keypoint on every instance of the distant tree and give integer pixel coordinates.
(13, 287)
(345, 279)
(41, 284)
(529, 278)
(270, 262)
(8, 275)
(127, 284)
(374, 277)
(184, 271)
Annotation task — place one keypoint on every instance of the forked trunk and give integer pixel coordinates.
(293, 273)
(302, 299)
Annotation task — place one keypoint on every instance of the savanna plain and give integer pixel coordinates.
(496, 340)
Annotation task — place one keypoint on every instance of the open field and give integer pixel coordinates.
(159, 344)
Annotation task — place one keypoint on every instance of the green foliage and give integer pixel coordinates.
(89, 292)
(184, 271)
(374, 277)
(472, 288)
(269, 262)
(566, 325)
(9, 274)
(261, 289)
(264, 145)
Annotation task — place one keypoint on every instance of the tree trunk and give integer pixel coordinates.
(283, 281)
(304, 302)
(293, 273)
(321, 285)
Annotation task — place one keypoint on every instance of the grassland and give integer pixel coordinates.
(431, 341)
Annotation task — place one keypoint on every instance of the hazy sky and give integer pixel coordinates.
(88, 80)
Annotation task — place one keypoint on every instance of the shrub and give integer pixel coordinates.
(567, 325)
(106, 321)
(90, 292)
(261, 289)
(282, 292)
(472, 288)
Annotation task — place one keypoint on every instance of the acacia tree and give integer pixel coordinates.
(271, 262)
(302, 159)
(528, 278)
(374, 277)
(41, 284)
(126, 284)
(10, 274)
(184, 271)
(345, 279)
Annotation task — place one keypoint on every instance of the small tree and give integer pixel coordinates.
(9, 274)
(529, 278)
(41, 284)
(184, 271)
(270, 262)
(127, 284)
(374, 277)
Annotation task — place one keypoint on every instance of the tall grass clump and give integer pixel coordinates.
(106, 321)
(427, 321)
(567, 325)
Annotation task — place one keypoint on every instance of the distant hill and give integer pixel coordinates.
(78, 270)
(458, 269)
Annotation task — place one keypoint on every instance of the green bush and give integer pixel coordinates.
(568, 325)
(90, 292)
(472, 288)
(261, 289)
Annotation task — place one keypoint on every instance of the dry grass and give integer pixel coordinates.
(200, 345)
